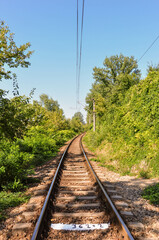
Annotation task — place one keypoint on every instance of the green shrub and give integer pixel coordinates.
(14, 186)
(110, 167)
(63, 136)
(8, 199)
(152, 193)
(94, 159)
(132, 129)
(18, 157)
(144, 174)
(39, 143)
(13, 163)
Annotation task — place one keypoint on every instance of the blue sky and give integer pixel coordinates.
(110, 27)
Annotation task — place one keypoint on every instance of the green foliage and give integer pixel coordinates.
(29, 136)
(18, 157)
(11, 56)
(79, 116)
(144, 174)
(114, 68)
(49, 103)
(152, 68)
(90, 139)
(30, 132)
(152, 193)
(95, 159)
(63, 136)
(77, 122)
(13, 164)
(110, 167)
(112, 82)
(127, 133)
(17, 115)
(39, 144)
(9, 199)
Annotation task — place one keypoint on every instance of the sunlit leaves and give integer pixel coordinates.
(111, 82)
(11, 56)
(131, 126)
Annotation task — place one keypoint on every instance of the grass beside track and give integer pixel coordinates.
(119, 159)
(13, 193)
(151, 193)
(10, 199)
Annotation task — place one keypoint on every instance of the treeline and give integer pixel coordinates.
(31, 132)
(127, 117)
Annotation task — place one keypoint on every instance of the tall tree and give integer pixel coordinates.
(152, 67)
(77, 122)
(111, 82)
(79, 116)
(116, 68)
(11, 56)
(17, 115)
(49, 103)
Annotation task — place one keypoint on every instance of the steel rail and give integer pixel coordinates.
(126, 232)
(38, 227)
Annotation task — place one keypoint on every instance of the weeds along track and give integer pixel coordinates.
(77, 206)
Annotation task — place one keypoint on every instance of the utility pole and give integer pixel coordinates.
(94, 116)
(89, 119)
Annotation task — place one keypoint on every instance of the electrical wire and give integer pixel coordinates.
(77, 57)
(80, 57)
(79, 70)
(148, 48)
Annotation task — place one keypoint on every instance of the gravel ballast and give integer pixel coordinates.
(144, 223)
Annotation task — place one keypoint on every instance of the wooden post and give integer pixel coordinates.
(89, 118)
(94, 117)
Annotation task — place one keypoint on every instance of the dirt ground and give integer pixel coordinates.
(130, 189)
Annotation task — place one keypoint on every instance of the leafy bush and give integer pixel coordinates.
(132, 129)
(152, 193)
(63, 136)
(144, 174)
(18, 157)
(39, 143)
(13, 163)
(14, 186)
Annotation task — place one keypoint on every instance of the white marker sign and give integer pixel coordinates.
(79, 227)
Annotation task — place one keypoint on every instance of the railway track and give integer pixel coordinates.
(77, 206)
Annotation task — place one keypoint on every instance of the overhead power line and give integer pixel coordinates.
(79, 70)
(79, 56)
(148, 48)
